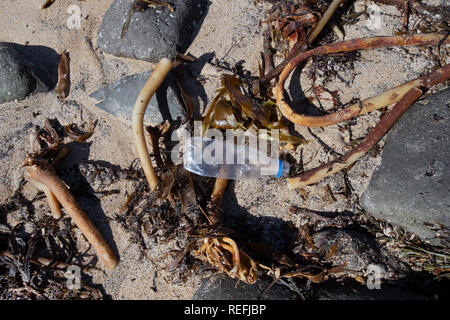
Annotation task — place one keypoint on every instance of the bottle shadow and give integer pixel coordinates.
(271, 231)
(281, 236)
(190, 85)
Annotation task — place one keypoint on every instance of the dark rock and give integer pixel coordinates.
(153, 33)
(354, 248)
(119, 98)
(332, 291)
(222, 287)
(25, 70)
(410, 188)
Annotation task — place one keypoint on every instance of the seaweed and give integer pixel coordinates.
(34, 261)
(63, 86)
(233, 109)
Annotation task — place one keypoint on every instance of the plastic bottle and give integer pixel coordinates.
(224, 159)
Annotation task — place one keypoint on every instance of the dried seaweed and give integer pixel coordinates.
(386, 122)
(33, 265)
(39, 249)
(289, 23)
(232, 109)
(152, 215)
(63, 86)
(16, 202)
(74, 133)
(42, 173)
(224, 254)
(174, 209)
(100, 176)
(376, 102)
(330, 67)
(157, 77)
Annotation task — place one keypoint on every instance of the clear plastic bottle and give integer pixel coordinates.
(224, 159)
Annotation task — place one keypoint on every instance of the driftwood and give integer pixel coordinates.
(43, 173)
(366, 43)
(380, 101)
(383, 126)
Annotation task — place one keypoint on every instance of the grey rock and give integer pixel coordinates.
(25, 70)
(153, 33)
(354, 248)
(222, 287)
(119, 98)
(410, 188)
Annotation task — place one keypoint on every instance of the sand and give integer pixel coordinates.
(230, 29)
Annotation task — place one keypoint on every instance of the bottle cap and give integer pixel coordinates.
(280, 169)
(283, 169)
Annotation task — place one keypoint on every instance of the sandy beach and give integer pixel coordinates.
(231, 30)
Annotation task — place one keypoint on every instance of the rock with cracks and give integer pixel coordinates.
(153, 33)
(119, 98)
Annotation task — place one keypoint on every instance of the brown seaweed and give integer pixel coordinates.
(232, 109)
(63, 86)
